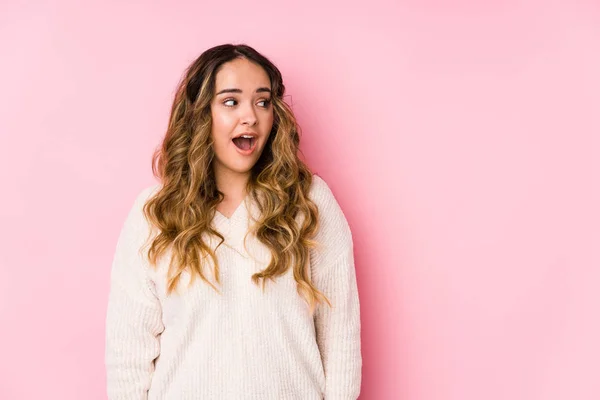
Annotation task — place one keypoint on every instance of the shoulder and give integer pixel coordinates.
(320, 192)
(135, 220)
(333, 225)
(144, 194)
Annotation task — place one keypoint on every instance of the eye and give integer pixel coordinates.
(266, 103)
(227, 101)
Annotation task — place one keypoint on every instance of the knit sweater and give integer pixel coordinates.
(242, 343)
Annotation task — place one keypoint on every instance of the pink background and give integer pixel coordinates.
(462, 140)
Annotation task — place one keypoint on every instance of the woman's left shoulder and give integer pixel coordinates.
(331, 215)
(320, 192)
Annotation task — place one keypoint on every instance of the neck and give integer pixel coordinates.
(232, 184)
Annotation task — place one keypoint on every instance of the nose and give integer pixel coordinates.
(248, 116)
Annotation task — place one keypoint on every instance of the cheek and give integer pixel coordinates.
(222, 125)
(267, 122)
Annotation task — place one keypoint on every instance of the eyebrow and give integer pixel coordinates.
(235, 90)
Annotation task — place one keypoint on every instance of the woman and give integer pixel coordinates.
(234, 277)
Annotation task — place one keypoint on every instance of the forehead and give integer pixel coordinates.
(241, 74)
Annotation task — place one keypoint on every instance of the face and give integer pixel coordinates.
(241, 106)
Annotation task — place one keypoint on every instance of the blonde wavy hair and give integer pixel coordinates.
(186, 203)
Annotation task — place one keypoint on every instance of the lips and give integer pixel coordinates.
(245, 141)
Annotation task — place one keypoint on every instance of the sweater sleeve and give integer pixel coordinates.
(134, 317)
(333, 273)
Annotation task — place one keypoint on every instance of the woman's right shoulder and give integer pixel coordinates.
(147, 192)
(136, 215)
(144, 194)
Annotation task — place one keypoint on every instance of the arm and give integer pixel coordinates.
(337, 328)
(134, 317)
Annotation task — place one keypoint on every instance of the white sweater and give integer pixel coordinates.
(242, 343)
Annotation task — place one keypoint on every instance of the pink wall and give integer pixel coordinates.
(461, 139)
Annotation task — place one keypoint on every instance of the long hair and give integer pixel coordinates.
(186, 203)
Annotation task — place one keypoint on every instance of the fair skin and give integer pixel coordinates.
(240, 105)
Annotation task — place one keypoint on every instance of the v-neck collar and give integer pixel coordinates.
(235, 219)
(235, 228)
(233, 216)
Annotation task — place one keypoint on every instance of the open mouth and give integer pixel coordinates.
(244, 143)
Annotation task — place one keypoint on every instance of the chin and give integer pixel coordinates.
(242, 168)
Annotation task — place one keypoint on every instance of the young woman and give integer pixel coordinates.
(234, 277)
